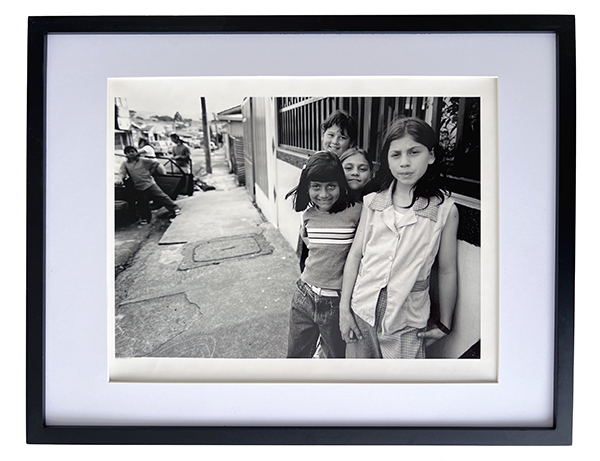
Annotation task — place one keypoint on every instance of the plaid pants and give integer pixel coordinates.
(403, 344)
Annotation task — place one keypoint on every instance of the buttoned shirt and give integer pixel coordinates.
(398, 254)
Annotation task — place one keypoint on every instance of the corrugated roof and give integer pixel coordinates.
(231, 111)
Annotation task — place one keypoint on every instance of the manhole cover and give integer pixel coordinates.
(215, 251)
(225, 249)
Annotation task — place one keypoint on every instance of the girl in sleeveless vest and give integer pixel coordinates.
(411, 221)
(329, 222)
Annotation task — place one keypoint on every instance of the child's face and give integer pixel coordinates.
(357, 171)
(408, 160)
(335, 140)
(132, 155)
(324, 194)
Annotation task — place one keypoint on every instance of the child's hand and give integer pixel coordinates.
(350, 331)
(431, 336)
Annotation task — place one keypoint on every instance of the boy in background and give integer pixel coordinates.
(339, 132)
(141, 170)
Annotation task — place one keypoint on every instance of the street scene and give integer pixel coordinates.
(215, 281)
(208, 254)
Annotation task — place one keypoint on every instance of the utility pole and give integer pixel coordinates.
(206, 135)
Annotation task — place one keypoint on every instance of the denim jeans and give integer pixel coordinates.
(313, 315)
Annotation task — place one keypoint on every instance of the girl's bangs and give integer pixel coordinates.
(326, 174)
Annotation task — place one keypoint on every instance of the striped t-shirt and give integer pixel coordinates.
(328, 237)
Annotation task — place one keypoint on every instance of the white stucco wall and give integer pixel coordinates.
(266, 199)
(289, 220)
(466, 325)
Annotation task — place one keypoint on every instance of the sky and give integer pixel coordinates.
(170, 95)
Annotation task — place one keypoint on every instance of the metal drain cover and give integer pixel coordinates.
(225, 249)
(215, 251)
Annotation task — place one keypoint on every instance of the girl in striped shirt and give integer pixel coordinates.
(329, 222)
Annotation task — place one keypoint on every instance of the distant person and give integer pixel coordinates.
(181, 154)
(141, 171)
(339, 132)
(405, 227)
(328, 225)
(145, 149)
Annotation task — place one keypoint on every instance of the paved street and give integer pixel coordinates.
(216, 283)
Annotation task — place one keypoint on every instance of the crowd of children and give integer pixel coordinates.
(369, 244)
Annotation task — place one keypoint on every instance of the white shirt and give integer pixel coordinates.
(398, 255)
(147, 151)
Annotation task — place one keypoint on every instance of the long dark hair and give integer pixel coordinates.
(433, 182)
(322, 167)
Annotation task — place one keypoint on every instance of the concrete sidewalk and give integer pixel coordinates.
(217, 283)
(213, 214)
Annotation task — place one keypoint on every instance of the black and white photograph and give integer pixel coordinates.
(320, 226)
(293, 230)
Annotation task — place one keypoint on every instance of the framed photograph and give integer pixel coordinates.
(237, 234)
(185, 291)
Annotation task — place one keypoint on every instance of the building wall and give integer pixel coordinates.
(266, 190)
(289, 220)
(235, 128)
(259, 138)
(466, 324)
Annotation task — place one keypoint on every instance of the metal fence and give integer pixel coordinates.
(455, 119)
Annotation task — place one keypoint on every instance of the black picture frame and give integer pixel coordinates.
(561, 431)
